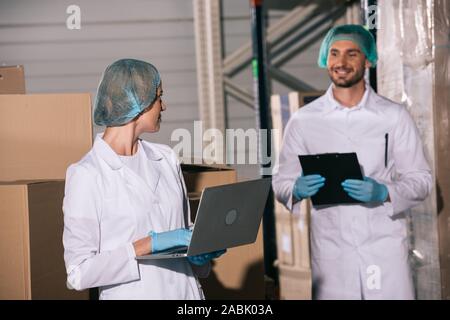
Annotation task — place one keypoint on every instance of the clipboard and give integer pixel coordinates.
(335, 168)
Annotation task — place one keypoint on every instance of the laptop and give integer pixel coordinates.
(227, 216)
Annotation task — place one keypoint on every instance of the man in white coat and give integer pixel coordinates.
(358, 251)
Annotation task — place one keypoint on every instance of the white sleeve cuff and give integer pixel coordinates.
(130, 251)
(134, 265)
(389, 208)
(392, 199)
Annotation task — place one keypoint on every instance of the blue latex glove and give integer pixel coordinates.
(170, 239)
(201, 259)
(367, 190)
(307, 186)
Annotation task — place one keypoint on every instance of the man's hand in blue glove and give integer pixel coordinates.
(307, 186)
(367, 190)
(201, 259)
(170, 239)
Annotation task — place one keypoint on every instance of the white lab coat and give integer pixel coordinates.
(358, 251)
(107, 207)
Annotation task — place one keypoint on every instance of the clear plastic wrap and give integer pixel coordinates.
(413, 47)
(416, 32)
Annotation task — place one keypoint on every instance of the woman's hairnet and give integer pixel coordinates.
(352, 32)
(127, 87)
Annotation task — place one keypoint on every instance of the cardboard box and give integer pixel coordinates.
(199, 176)
(441, 107)
(295, 283)
(194, 201)
(238, 274)
(300, 232)
(42, 134)
(285, 237)
(293, 236)
(31, 226)
(12, 80)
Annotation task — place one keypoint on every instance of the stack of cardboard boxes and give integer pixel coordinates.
(292, 228)
(40, 135)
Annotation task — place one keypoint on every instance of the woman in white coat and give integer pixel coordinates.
(126, 197)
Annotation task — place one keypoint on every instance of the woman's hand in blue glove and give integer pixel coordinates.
(367, 190)
(170, 239)
(201, 259)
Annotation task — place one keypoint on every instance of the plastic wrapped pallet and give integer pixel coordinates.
(413, 69)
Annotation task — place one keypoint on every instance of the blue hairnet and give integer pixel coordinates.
(352, 32)
(127, 87)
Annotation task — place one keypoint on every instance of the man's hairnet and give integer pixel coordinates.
(127, 87)
(352, 32)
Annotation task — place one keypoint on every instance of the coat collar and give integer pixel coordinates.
(104, 151)
(331, 104)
